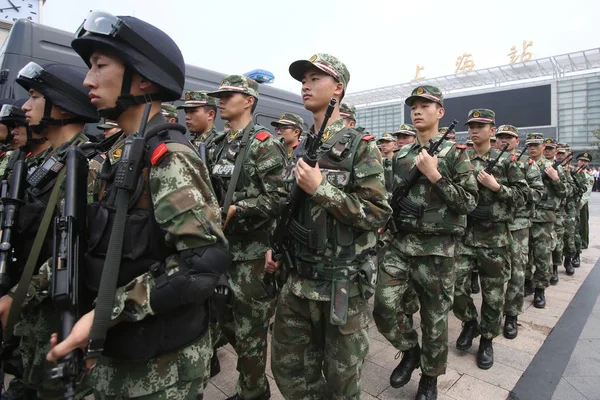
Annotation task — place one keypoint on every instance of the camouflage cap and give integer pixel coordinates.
(508, 130)
(108, 124)
(469, 142)
(444, 129)
(386, 137)
(348, 111)
(326, 63)
(549, 142)
(406, 129)
(584, 156)
(197, 98)
(169, 110)
(237, 84)
(289, 119)
(493, 139)
(534, 138)
(426, 92)
(482, 115)
(563, 147)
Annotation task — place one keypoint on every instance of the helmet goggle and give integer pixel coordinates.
(36, 73)
(105, 24)
(8, 110)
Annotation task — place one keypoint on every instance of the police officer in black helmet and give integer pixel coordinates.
(57, 109)
(173, 251)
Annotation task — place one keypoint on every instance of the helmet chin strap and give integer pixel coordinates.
(126, 99)
(48, 121)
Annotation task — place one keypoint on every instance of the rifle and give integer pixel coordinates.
(578, 170)
(12, 200)
(522, 152)
(280, 240)
(558, 163)
(69, 249)
(484, 212)
(400, 202)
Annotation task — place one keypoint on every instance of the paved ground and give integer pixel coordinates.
(464, 380)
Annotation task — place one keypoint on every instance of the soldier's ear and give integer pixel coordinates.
(440, 113)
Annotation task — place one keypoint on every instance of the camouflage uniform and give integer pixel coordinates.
(488, 237)
(169, 111)
(320, 335)
(542, 229)
(4, 158)
(584, 214)
(256, 197)
(570, 220)
(519, 228)
(422, 253)
(39, 319)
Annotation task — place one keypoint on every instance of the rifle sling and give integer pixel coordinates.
(21, 291)
(237, 169)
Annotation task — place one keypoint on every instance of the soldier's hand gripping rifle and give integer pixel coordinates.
(400, 201)
(280, 240)
(557, 163)
(484, 212)
(69, 248)
(11, 204)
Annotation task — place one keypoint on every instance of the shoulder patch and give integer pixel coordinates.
(368, 137)
(461, 146)
(2, 154)
(263, 135)
(157, 154)
(28, 155)
(531, 161)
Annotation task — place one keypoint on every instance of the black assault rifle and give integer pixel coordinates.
(280, 240)
(522, 152)
(485, 212)
(69, 248)
(400, 201)
(557, 163)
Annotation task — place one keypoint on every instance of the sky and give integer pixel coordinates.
(380, 41)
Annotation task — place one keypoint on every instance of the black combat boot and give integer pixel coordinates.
(411, 359)
(568, 264)
(475, 282)
(576, 262)
(469, 331)
(427, 388)
(539, 299)
(554, 277)
(510, 327)
(528, 288)
(485, 355)
(215, 365)
(265, 396)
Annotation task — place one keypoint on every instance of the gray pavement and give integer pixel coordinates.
(464, 380)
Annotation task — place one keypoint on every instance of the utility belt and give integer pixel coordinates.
(342, 279)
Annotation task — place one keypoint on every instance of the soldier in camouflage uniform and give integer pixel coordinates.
(290, 128)
(451, 136)
(550, 152)
(406, 134)
(488, 236)
(200, 113)
(320, 335)
(570, 221)
(251, 213)
(542, 236)
(421, 257)
(386, 145)
(583, 160)
(348, 113)
(6, 139)
(169, 112)
(58, 108)
(158, 345)
(519, 229)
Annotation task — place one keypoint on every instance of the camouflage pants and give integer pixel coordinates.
(432, 278)
(570, 225)
(193, 390)
(577, 230)
(559, 231)
(246, 323)
(584, 227)
(519, 255)
(312, 359)
(494, 266)
(541, 238)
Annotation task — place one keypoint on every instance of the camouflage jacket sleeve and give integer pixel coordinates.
(560, 186)
(516, 191)
(186, 209)
(534, 181)
(458, 187)
(365, 205)
(266, 166)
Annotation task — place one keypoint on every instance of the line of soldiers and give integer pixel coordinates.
(176, 256)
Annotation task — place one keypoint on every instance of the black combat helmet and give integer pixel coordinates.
(9, 136)
(62, 86)
(13, 115)
(142, 47)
